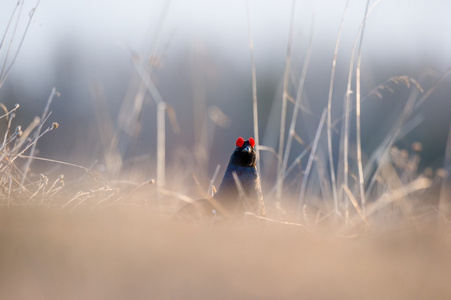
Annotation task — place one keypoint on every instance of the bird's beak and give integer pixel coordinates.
(248, 149)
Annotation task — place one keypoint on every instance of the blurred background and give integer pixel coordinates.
(197, 54)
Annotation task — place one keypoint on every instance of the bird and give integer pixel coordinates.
(239, 192)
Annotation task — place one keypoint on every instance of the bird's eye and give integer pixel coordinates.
(240, 142)
(252, 142)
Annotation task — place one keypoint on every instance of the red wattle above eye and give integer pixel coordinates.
(240, 142)
(252, 142)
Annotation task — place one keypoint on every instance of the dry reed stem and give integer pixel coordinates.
(13, 35)
(6, 70)
(310, 161)
(329, 111)
(357, 110)
(295, 162)
(161, 145)
(270, 150)
(129, 119)
(2, 43)
(445, 190)
(297, 104)
(161, 128)
(211, 188)
(355, 204)
(7, 113)
(407, 80)
(347, 109)
(44, 117)
(21, 142)
(433, 88)
(391, 197)
(254, 87)
(283, 113)
(402, 192)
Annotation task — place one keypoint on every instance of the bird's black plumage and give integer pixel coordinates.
(240, 189)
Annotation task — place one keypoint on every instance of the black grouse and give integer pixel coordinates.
(239, 191)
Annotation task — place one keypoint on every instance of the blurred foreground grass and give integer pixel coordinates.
(125, 252)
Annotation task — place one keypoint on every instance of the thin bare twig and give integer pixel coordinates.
(45, 114)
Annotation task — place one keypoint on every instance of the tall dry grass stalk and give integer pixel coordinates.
(445, 190)
(254, 86)
(357, 111)
(161, 122)
(347, 105)
(294, 117)
(12, 33)
(311, 159)
(16, 183)
(161, 145)
(329, 111)
(44, 117)
(283, 113)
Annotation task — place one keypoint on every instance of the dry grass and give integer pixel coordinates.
(133, 253)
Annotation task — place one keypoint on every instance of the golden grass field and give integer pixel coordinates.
(132, 252)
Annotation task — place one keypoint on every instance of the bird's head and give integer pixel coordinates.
(244, 154)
